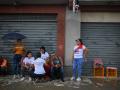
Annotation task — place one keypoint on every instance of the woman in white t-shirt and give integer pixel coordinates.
(47, 67)
(39, 70)
(80, 52)
(44, 54)
(27, 64)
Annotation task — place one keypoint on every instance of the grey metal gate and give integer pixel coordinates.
(40, 30)
(102, 40)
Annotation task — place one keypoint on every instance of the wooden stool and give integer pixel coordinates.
(111, 72)
(98, 68)
(99, 72)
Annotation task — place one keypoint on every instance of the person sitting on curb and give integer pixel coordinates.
(39, 71)
(45, 55)
(26, 66)
(3, 66)
(57, 67)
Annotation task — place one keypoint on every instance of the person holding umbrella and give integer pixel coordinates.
(19, 51)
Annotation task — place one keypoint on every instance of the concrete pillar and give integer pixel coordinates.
(72, 32)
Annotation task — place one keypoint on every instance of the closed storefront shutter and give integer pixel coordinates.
(103, 41)
(40, 30)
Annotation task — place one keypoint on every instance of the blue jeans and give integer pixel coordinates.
(16, 64)
(77, 67)
(55, 71)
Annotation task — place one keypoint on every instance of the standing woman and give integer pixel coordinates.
(18, 51)
(79, 56)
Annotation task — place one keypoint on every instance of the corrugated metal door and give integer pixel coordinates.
(102, 40)
(40, 30)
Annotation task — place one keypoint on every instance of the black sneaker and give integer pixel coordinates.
(62, 80)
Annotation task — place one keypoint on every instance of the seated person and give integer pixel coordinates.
(27, 65)
(45, 56)
(39, 70)
(57, 67)
(3, 65)
(47, 68)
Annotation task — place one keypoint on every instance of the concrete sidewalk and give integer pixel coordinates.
(7, 83)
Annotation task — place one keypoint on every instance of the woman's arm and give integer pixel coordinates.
(85, 53)
(72, 56)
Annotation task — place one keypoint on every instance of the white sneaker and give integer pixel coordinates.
(14, 76)
(30, 79)
(72, 78)
(23, 78)
(78, 79)
(18, 76)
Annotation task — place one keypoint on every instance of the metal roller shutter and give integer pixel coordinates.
(102, 40)
(40, 30)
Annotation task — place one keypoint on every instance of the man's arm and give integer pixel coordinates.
(61, 60)
(52, 63)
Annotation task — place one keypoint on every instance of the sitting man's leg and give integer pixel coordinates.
(62, 73)
(53, 73)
